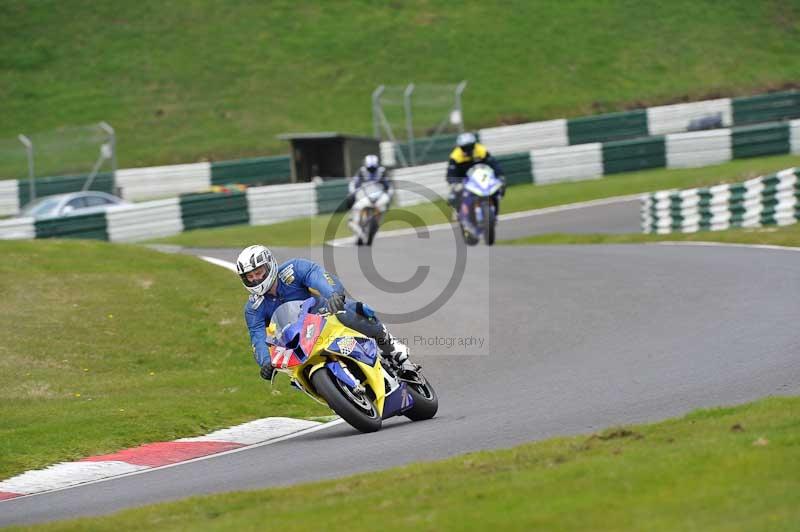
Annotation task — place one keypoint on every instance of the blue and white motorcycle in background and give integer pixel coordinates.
(477, 212)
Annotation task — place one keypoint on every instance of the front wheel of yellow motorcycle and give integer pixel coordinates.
(426, 402)
(355, 408)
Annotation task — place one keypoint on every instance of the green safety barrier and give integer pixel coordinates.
(755, 141)
(331, 196)
(214, 209)
(516, 167)
(258, 171)
(631, 155)
(612, 126)
(766, 107)
(80, 226)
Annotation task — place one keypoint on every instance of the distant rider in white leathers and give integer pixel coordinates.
(370, 172)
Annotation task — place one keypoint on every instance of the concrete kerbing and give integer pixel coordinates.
(159, 455)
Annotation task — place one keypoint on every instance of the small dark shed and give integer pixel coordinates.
(328, 155)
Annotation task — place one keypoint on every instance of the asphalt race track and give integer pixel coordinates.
(575, 339)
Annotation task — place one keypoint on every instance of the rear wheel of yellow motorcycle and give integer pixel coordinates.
(356, 409)
(426, 402)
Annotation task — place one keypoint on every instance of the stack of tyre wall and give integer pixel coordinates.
(763, 201)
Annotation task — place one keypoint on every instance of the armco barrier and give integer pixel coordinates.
(214, 210)
(9, 197)
(163, 181)
(759, 140)
(766, 107)
(144, 221)
(613, 126)
(259, 171)
(281, 202)
(584, 161)
(331, 195)
(525, 137)
(769, 200)
(517, 168)
(632, 155)
(700, 148)
(415, 185)
(794, 136)
(17, 229)
(657, 120)
(153, 182)
(676, 118)
(81, 226)
(47, 186)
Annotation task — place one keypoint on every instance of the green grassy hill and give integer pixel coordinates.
(198, 80)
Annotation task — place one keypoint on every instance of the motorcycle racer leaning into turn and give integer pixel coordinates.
(298, 279)
(467, 153)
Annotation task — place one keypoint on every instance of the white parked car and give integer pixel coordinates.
(70, 204)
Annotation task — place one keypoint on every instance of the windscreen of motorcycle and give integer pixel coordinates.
(282, 319)
(481, 180)
(371, 190)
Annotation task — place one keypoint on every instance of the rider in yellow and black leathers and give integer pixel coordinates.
(467, 153)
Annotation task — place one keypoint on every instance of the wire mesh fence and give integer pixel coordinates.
(72, 150)
(416, 116)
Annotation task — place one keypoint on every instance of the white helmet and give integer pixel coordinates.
(252, 258)
(466, 141)
(371, 162)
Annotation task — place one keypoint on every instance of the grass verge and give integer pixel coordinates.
(109, 346)
(312, 231)
(716, 469)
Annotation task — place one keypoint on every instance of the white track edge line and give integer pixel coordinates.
(219, 262)
(279, 439)
(723, 244)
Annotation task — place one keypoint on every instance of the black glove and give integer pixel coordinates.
(503, 186)
(350, 200)
(335, 303)
(267, 370)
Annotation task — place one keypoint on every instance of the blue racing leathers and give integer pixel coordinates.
(299, 279)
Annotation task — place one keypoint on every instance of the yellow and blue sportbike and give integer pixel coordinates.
(342, 368)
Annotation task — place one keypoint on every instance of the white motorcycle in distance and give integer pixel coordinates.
(371, 201)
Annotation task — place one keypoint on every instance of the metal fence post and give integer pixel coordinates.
(459, 89)
(112, 140)
(29, 148)
(108, 150)
(376, 103)
(409, 122)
